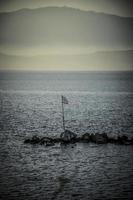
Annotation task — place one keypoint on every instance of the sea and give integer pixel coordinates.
(98, 102)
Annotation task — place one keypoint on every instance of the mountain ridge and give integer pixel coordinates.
(62, 7)
(65, 26)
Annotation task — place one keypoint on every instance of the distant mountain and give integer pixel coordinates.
(53, 26)
(117, 7)
(114, 60)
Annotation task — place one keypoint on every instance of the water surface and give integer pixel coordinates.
(31, 105)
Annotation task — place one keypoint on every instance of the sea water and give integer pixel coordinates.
(30, 104)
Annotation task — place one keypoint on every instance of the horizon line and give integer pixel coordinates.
(62, 71)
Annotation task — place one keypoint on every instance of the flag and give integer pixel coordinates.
(64, 100)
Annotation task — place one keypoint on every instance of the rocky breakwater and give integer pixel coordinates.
(68, 136)
(104, 139)
(42, 141)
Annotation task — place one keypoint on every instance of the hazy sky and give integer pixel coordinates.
(66, 34)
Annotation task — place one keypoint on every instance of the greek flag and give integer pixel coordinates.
(64, 100)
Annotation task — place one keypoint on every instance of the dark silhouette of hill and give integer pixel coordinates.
(53, 26)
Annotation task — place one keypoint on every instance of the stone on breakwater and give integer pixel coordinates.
(124, 140)
(46, 141)
(99, 138)
(86, 137)
(43, 141)
(68, 136)
(33, 140)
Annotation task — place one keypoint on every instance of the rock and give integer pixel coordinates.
(123, 140)
(99, 138)
(27, 141)
(86, 137)
(112, 140)
(56, 140)
(35, 140)
(131, 141)
(43, 141)
(47, 141)
(68, 136)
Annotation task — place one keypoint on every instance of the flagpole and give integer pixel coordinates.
(63, 119)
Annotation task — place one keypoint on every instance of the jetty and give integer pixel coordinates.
(68, 137)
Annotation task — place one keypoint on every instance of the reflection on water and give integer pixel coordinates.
(97, 103)
(78, 172)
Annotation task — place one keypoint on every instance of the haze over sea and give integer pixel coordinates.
(99, 102)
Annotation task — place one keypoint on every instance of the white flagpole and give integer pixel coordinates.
(63, 119)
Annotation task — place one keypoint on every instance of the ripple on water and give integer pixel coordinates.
(84, 171)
